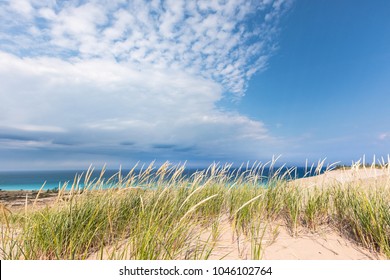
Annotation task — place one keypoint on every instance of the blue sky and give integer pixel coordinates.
(116, 82)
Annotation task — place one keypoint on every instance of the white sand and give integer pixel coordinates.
(276, 244)
(327, 245)
(358, 176)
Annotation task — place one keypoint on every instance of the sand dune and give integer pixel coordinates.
(327, 245)
(343, 177)
(277, 243)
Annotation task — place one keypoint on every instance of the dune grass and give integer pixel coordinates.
(160, 213)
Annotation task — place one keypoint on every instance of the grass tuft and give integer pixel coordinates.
(160, 213)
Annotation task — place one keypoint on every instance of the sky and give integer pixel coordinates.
(117, 82)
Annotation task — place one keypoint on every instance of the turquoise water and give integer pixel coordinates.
(27, 187)
(33, 180)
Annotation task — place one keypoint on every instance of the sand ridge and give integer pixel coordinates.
(343, 177)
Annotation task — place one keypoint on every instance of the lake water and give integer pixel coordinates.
(33, 180)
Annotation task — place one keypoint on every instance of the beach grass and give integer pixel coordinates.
(161, 213)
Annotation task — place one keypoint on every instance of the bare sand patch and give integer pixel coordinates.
(276, 244)
(358, 176)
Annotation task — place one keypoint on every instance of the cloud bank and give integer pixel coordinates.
(132, 78)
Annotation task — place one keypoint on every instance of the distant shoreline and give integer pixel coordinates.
(33, 180)
(341, 175)
(17, 199)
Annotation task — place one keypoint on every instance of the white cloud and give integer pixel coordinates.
(37, 128)
(22, 7)
(112, 102)
(148, 73)
(202, 37)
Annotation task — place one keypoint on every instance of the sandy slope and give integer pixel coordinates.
(327, 244)
(278, 244)
(344, 177)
